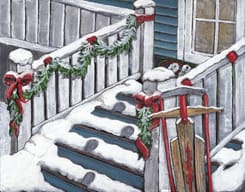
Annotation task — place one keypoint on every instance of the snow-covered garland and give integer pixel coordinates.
(91, 48)
(146, 105)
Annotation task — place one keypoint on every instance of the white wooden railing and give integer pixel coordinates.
(224, 83)
(63, 94)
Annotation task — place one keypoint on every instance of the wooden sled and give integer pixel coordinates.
(188, 150)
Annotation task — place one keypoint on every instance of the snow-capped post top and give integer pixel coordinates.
(232, 56)
(21, 57)
(144, 4)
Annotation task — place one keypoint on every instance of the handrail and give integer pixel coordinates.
(76, 45)
(97, 7)
(213, 64)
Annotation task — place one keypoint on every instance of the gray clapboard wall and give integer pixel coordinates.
(166, 24)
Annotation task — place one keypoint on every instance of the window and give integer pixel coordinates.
(214, 25)
(207, 27)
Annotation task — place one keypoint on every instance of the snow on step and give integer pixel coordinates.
(109, 99)
(82, 115)
(76, 173)
(226, 156)
(106, 151)
(233, 177)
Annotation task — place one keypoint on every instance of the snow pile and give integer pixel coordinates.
(158, 74)
(233, 177)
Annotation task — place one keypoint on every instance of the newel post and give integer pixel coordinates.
(145, 11)
(20, 61)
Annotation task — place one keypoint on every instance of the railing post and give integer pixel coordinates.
(146, 8)
(20, 61)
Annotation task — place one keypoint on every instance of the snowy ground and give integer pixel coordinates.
(22, 171)
(233, 177)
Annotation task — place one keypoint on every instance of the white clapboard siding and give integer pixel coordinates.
(63, 90)
(57, 24)
(239, 91)
(225, 101)
(112, 64)
(44, 22)
(4, 130)
(123, 63)
(210, 85)
(76, 84)
(18, 19)
(5, 18)
(72, 24)
(195, 101)
(89, 81)
(135, 61)
(87, 22)
(31, 20)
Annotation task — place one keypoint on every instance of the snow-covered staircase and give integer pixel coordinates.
(98, 152)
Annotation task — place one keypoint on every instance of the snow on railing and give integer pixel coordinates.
(77, 71)
(223, 78)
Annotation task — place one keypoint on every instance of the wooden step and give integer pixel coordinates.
(115, 115)
(234, 144)
(87, 131)
(126, 97)
(92, 162)
(61, 182)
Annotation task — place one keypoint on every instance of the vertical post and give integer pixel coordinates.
(166, 146)
(146, 8)
(20, 61)
(207, 141)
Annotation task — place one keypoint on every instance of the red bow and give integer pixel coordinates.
(152, 102)
(149, 101)
(15, 81)
(92, 40)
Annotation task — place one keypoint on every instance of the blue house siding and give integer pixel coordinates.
(166, 24)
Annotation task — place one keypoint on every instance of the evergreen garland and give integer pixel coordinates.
(144, 122)
(90, 49)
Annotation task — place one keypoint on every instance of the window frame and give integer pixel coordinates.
(186, 27)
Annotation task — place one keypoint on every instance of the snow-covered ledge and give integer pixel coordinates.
(156, 79)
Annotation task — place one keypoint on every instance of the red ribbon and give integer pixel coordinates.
(15, 81)
(149, 101)
(143, 18)
(152, 102)
(13, 126)
(142, 148)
